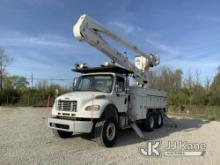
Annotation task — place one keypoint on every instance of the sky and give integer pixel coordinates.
(37, 34)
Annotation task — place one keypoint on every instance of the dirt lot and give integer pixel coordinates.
(25, 139)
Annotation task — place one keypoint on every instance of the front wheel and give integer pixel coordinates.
(106, 132)
(62, 134)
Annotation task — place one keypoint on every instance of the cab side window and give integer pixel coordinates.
(121, 84)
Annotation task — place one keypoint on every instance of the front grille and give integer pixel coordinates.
(64, 105)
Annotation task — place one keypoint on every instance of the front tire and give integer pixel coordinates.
(106, 132)
(62, 134)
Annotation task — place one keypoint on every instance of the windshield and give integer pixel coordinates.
(100, 83)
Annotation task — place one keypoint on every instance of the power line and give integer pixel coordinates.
(53, 79)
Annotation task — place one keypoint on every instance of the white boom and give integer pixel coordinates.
(89, 30)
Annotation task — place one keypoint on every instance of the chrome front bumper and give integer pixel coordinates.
(70, 125)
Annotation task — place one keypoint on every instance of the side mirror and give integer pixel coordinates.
(116, 88)
(75, 80)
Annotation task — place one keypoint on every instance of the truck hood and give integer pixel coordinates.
(82, 95)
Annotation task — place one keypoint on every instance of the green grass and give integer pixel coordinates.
(198, 112)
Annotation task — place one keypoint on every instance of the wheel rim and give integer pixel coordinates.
(159, 119)
(110, 131)
(151, 122)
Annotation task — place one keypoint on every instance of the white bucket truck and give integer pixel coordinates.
(102, 101)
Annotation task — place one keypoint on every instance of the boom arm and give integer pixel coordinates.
(89, 30)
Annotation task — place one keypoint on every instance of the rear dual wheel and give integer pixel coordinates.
(153, 120)
(148, 123)
(158, 117)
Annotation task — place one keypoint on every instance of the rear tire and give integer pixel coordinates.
(148, 123)
(106, 132)
(62, 134)
(158, 118)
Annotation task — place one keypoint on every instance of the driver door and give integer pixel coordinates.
(120, 97)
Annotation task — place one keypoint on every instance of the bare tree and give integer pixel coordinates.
(197, 78)
(207, 84)
(188, 81)
(167, 79)
(218, 69)
(4, 61)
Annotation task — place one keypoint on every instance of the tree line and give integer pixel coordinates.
(188, 90)
(16, 90)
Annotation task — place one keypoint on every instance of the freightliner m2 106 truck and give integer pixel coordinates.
(103, 101)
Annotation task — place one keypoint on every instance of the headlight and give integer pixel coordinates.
(93, 108)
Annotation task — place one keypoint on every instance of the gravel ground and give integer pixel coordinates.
(25, 139)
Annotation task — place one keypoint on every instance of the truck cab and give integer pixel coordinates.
(100, 93)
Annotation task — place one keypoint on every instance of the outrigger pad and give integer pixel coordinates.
(137, 130)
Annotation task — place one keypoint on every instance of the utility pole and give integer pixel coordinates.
(1, 69)
(32, 79)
